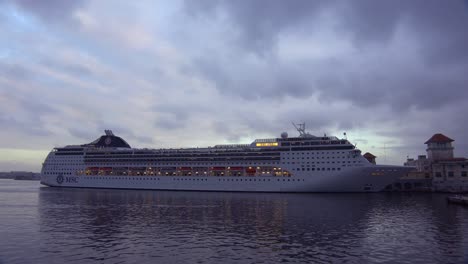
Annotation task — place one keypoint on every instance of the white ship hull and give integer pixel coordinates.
(362, 179)
(301, 164)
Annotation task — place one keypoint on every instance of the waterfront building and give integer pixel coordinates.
(439, 147)
(418, 179)
(446, 172)
(20, 175)
(450, 175)
(422, 164)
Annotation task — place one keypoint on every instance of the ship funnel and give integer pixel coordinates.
(108, 132)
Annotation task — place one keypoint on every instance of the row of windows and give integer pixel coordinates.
(232, 155)
(123, 178)
(300, 151)
(284, 173)
(451, 174)
(188, 155)
(193, 179)
(323, 162)
(190, 163)
(315, 142)
(315, 153)
(182, 152)
(52, 164)
(69, 153)
(254, 180)
(182, 173)
(182, 159)
(321, 157)
(222, 174)
(49, 164)
(57, 170)
(313, 169)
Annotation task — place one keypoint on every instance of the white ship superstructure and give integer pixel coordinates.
(305, 163)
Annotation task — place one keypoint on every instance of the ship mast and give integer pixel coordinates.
(300, 129)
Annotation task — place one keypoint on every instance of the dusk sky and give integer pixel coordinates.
(204, 72)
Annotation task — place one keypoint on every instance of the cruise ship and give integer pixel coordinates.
(305, 163)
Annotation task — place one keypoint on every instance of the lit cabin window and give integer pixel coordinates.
(267, 144)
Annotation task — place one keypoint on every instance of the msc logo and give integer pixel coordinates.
(59, 179)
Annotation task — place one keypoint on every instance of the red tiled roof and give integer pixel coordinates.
(438, 138)
(369, 155)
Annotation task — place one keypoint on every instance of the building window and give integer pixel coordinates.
(450, 173)
(438, 174)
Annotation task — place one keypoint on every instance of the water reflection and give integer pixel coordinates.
(79, 225)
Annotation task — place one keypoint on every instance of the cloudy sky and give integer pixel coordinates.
(198, 73)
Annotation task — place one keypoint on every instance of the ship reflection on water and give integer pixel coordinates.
(80, 225)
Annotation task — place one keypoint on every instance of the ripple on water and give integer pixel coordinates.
(123, 226)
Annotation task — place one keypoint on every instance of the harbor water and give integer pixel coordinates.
(60, 225)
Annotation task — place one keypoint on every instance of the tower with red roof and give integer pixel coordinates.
(439, 147)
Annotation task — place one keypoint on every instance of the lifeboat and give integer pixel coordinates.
(168, 168)
(200, 168)
(120, 168)
(137, 168)
(250, 170)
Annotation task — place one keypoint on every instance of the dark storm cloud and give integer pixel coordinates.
(176, 115)
(31, 127)
(31, 117)
(48, 10)
(88, 135)
(125, 132)
(394, 87)
(229, 132)
(441, 27)
(85, 134)
(437, 29)
(252, 82)
(168, 123)
(259, 21)
(36, 108)
(73, 69)
(14, 71)
(178, 111)
(29, 111)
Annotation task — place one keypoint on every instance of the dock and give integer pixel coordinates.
(458, 199)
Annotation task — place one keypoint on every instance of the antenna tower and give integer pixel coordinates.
(300, 128)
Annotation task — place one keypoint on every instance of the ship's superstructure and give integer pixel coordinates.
(305, 163)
